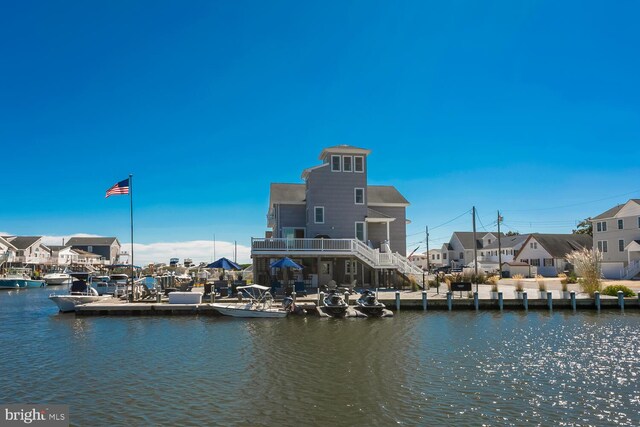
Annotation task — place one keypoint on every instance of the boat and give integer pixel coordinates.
(259, 305)
(368, 304)
(334, 304)
(115, 284)
(57, 278)
(19, 278)
(80, 292)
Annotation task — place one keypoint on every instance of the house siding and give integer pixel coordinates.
(290, 216)
(397, 228)
(335, 191)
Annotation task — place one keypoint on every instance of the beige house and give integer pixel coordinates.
(616, 234)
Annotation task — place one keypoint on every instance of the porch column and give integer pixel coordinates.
(388, 238)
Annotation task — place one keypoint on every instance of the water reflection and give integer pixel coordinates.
(509, 368)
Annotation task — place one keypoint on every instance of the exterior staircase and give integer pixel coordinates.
(631, 271)
(4, 258)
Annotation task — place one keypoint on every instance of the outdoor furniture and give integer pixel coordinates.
(300, 289)
(185, 298)
(223, 291)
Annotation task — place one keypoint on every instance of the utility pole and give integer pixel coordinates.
(499, 249)
(426, 230)
(235, 251)
(475, 247)
(214, 246)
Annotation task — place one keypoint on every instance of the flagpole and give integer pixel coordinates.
(131, 215)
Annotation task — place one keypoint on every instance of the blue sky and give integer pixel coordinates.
(531, 107)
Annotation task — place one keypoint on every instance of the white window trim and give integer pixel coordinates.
(354, 164)
(355, 196)
(347, 267)
(620, 222)
(620, 248)
(603, 246)
(364, 230)
(344, 169)
(315, 215)
(339, 163)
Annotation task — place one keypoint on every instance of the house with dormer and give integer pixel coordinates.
(459, 251)
(336, 224)
(616, 234)
(28, 250)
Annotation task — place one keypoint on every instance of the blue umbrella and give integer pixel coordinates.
(286, 262)
(225, 264)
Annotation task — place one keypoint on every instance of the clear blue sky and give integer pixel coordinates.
(512, 105)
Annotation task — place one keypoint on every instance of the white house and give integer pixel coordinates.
(459, 251)
(616, 234)
(29, 250)
(63, 255)
(434, 258)
(548, 252)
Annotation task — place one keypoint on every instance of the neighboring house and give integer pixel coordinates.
(63, 255)
(433, 259)
(509, 246)
(106, 247)
(29, 250)
(548, 252)
(459, 251)
(7, 251)
(616, 234)
(88, 258)
(336, 224)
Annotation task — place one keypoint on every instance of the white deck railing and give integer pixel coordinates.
(630, 271)
(356, 247)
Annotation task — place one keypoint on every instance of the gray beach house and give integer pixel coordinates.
(336, 225)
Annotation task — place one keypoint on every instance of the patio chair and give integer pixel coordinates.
(300, 289)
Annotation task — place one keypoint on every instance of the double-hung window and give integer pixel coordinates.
(602, 246)
(336, 163)
(621, 245)
(359, 196)
(601, 226)
(620, 224)
(347, 163)
(318, 213)
(358, 164)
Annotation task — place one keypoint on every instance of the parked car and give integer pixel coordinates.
(444, 269)
(456, 270)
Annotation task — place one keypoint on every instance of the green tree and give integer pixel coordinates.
(584, 227)
(512, 233)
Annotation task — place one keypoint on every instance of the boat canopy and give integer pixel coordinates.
(254, 286)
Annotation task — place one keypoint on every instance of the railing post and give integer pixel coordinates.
(398, 300)
(550, 300)
(525, 300)
(424, 300)
(475, 301)
(596, 297)
(573, 300)
(449, 304)
(500, 301)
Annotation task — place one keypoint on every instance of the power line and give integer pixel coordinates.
(574, 204)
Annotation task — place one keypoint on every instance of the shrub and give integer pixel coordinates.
(613, 290)
(588, 265)
(572, 278)
(414, 286)
(493, 281)
(541, 285)
(518, 280)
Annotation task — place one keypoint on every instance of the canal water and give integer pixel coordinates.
(435, 368)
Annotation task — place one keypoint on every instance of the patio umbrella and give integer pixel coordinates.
(284, 263)
(224, 264)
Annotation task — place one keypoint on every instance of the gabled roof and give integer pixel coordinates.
(507, 241)
(466, 238)
(25, 242)
(286, 193)
(92, 241)
(6, 243)
(614, 211)
(58, 248)
(559, 245)
(384, 195)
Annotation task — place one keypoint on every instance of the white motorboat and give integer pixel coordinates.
(18, 278)
(57, 278)
(259, 306)
(79, 293)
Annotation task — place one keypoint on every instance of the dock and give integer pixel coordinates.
(123, 308)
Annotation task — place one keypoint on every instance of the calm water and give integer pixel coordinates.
(414, 369)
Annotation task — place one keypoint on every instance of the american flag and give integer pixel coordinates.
(121, 187)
